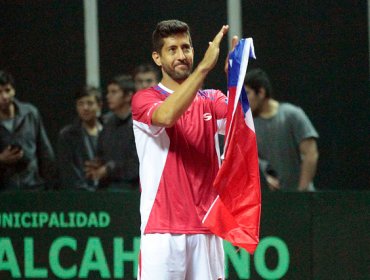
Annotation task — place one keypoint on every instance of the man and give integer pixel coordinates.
(78, 141)
(285, 136)
(145, 76)
(117, 165)
(26, 156)
(175, 126)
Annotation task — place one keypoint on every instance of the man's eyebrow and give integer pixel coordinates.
(186, 45)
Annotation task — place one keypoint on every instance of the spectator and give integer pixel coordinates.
(77, 142)
(117, 165)
(286, 138)
(26, 156)
(145, 76)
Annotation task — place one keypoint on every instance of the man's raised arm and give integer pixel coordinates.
(177, 103)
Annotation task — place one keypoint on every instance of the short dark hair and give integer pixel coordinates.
(6, 78)
(145, 68)
(257, 79)
(167, 28)
(125, 83)
(88, 91)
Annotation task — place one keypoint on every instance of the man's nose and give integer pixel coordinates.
(181, 55)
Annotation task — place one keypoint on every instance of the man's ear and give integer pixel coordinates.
(262, 93)
(157, 58)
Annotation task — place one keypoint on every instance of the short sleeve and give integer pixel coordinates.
(144, 103)
(302, 126)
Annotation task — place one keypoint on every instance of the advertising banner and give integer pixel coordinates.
(82, 235)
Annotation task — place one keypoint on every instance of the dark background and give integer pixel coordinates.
(316, 53)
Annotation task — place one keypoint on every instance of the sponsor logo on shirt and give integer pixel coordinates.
(207, 116)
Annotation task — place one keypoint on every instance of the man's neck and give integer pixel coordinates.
(170, 83)
(92, 127)
(269, 109)
(90, 124)
(8, 113)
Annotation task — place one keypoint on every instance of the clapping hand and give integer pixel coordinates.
(211, 56)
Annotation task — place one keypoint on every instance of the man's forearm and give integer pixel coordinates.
(177, 103)
(308, 171)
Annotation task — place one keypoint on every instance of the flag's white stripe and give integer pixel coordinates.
(249, 120)
(248, 50)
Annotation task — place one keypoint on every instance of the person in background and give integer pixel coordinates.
(27, 159)
(287, 140)
(116, 166)
(145, 76)
(77, 142)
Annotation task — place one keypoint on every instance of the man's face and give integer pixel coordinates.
(255, 100)
(145, 80)
(7, 93)
(176, 57)
(88, 108)
(116, 98)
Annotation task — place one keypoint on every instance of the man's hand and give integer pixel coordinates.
(234, 42)
(95, 170)
(11, 155)
(273, 183)
(211, 56)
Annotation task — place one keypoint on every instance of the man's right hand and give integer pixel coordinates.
(11, 155)
(211, 56)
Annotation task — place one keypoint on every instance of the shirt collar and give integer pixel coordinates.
(167, 90)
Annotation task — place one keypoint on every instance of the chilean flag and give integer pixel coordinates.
(235, 213)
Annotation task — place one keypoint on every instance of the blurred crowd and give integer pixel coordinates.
(94, 152)
(97, 151)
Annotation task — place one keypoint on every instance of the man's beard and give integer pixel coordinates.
(257, 111)
(5, 107)
(178, 75)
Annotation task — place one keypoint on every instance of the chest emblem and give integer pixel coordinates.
(207, 116)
